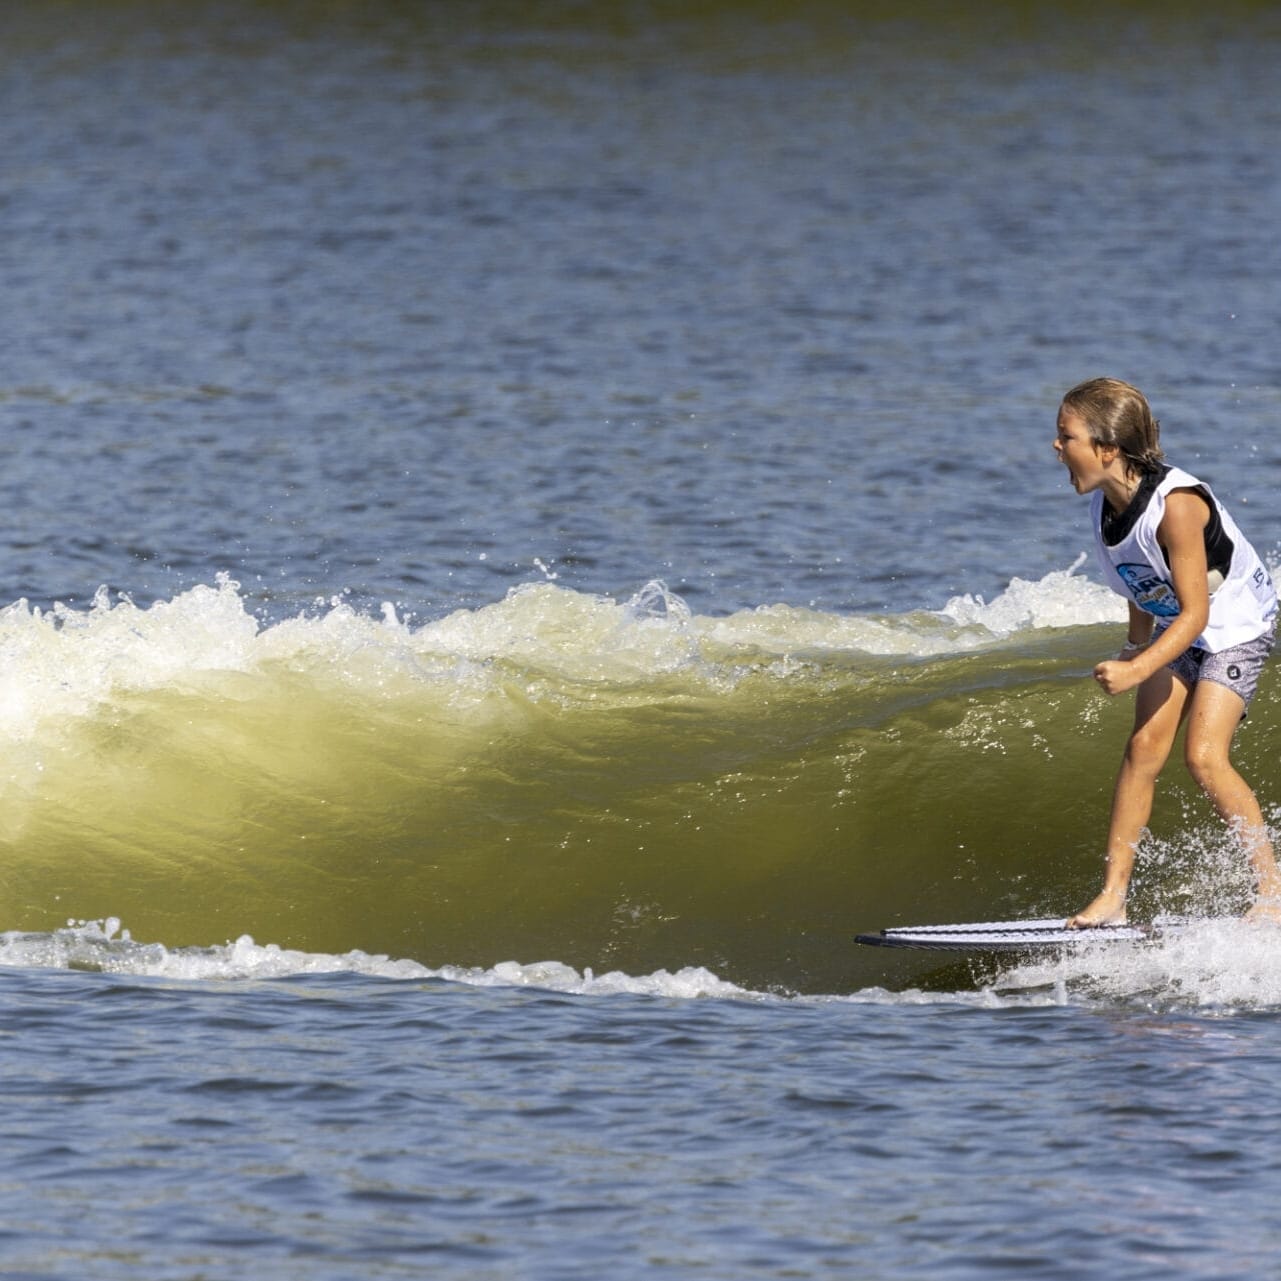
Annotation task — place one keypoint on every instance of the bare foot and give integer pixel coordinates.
(1107, 909)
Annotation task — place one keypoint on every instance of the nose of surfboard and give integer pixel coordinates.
(1005, 936)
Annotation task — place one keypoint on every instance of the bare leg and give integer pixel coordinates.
(1159, 707)
(1213, 718)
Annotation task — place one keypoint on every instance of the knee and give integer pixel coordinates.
(1147, 752)
(1205, 761)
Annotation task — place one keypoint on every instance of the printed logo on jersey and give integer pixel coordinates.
(1150, 591)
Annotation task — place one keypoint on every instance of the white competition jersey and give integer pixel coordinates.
(1241, 609)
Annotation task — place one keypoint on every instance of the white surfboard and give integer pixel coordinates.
(1011, 936)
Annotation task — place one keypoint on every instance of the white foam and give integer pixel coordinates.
(685, 984)
(64, 663)
(1220, 964)
(103, 946)
(1060, 599)
(571, 635)
(1217, 965)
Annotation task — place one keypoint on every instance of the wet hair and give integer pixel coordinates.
(1119, 415)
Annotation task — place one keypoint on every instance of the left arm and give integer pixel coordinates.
(1182, 534)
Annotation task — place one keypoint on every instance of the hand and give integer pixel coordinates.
(1116, 676)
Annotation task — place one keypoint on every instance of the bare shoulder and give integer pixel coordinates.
(1187, 511)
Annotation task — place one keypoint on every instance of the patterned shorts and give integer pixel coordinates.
(1238, 668)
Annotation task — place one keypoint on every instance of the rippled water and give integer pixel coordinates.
(403, 301)
(386, 310)
(247, 1109)
(346, 1126)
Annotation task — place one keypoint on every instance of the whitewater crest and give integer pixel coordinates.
(63, 663)
(1061, 599)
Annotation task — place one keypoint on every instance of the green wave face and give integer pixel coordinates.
(559, 777)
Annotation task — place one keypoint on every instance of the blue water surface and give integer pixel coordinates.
(342, 1126)
(421, 301)
(418, 302)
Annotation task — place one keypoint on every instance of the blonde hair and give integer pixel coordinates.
(1118, 415)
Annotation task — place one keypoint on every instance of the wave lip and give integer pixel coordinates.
(1060, 599)
(64, 662)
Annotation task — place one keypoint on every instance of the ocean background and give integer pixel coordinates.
(525, 528)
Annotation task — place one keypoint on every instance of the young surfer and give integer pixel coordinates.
(1203, 615)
